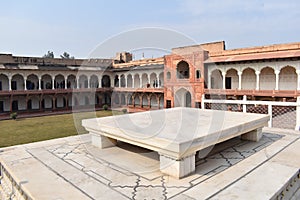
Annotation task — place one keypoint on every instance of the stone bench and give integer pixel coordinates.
(176, 134)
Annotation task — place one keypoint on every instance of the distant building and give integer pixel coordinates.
(32, 85)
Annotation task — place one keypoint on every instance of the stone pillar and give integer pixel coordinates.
(224, 80)
(141, 81)
(209, 80)
(132, 81)
(157, 78)
(254, 135)
(25, 84)
(149, 79)
(298, 79)
(53, 81)
(89, 82)
(101, 141)
(9, 83)
(40, 83)
(119, 81)
(277, 79)
(141, 101)
(175, 167)
(77, 83)
(66, 83)
(257, 79)
(202, 101)
(240, 79)
(100, 82)
(126, 81)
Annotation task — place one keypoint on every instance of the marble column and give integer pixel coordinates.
(66, 83)
(25, 83)
(209, 81)
(240, 79)
(53, 81)
(100, 82)
(224, 80)
(40, 83)
(175, 167)
(257, 79)
(9, 83)
(149, 79)
(277, 79)
(89, 82)
(77, 83)
(132, 81)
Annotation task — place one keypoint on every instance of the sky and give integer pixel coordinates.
(33, 27)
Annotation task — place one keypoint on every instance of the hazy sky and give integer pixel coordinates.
(32, 27)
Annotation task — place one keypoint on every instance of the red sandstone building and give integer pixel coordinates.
(39, 85)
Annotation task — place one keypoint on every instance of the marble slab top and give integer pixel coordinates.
(176, 129)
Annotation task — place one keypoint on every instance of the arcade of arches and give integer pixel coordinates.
(35, 92)
(287, 78)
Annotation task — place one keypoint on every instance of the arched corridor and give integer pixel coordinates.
(267, 79)
(183, 98)
(288, 78)
(4, 82)
(17, 82)
(248, 79)
(216, 79)
(232, 79)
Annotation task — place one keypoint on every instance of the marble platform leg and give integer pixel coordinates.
(254, 135)
(177, 168)
(102, 141)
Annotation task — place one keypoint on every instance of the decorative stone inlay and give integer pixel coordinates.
(138, 185)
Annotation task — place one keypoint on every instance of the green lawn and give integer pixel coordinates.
(26, 130)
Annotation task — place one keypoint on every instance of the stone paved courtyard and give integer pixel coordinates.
(71, 168)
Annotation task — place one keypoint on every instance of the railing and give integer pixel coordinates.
(282, 114)
(273, 93)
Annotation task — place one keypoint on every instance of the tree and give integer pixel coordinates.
(66, 55)
(50, 54)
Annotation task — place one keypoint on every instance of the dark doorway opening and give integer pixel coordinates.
(14, 85)
(1, 106)
(168, 104)
(15, 106)
(228, 83)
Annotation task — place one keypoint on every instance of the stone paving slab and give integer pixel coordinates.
(72, 168)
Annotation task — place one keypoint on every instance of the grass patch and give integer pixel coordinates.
(26, 130)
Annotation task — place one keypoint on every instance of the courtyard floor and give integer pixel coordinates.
(71, 168)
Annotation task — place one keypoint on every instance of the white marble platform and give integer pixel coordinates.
(176, 134)
(72, 168)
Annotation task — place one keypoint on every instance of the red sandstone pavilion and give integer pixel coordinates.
(183, 78)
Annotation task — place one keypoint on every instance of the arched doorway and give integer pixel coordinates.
(183, 98)
(216, 79)
(106, 81)
(183, 70)
(288, 78)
